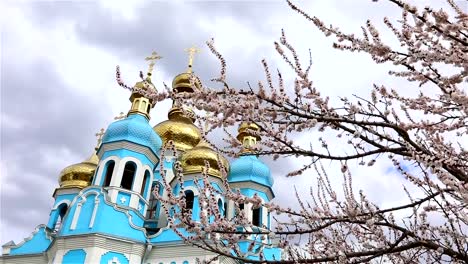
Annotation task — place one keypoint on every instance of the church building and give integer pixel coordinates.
(105, 210)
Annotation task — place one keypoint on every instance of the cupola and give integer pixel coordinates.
(180, 127)
(248, 167)
(79, 175)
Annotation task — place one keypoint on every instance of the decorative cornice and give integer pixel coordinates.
(131, 146)
(213, 179)
(253, 185)
(47, 231)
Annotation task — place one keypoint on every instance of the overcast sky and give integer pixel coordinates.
(58, 84)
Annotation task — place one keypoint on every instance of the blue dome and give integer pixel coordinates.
(136, 129)
(250, 168)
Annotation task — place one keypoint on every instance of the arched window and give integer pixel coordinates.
(145, 183)
(189, 197)
(62, 210)
(128, 175)
(257, 216)
(220, 207)
(154, 206)
(225, 209)
(108, 173)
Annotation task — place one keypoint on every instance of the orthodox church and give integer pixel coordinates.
(105, 210)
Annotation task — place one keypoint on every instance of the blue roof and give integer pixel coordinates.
(135, 128)
(250, 168)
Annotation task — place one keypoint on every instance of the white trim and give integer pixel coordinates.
(80, 204)
(65, 201)
(101, 165)
(76, 215)
(118, 145)
(93, 216)
(193, 189)
(8, 246)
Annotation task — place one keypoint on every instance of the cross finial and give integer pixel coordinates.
(154, 56)
(99, 137)
(191, 51)
(120, 116)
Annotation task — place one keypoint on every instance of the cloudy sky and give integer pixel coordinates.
(58, 84)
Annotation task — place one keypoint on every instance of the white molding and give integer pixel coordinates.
(76, 216)
(65, 201)
(93, 216)
(130, 146)
(253, 185)
(26, 239)
(98, 178)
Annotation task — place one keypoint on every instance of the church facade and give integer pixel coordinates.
(105, 210)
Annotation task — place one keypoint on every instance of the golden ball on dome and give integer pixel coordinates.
(181, 83)
(180, 129)
(79, 175)
(193, 161)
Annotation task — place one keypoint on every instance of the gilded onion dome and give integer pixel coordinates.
(193, 161)
(180, 129)
(79, 175)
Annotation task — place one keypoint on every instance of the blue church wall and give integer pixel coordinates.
(75, 256)
(123, 198)
(167, 235)
(113, 257)
(272, 253)
(37, 244)
(86, 213)
(107, 219)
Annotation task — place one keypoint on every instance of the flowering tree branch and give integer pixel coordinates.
(427, 131)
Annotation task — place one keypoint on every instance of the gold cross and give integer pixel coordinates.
(154, 56)
(191, 51)
(120, 116)
(99, 137)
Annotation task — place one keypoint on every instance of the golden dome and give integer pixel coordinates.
(79, 175)
(193, 161)
(245, 130)
(181, 83)
(180, 129)
(145, 85)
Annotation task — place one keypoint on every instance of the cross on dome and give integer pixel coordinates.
(99, 136)
(191, 51)
(154, 56)
(120, 116)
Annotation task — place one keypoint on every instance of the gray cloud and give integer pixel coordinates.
(45, 119)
